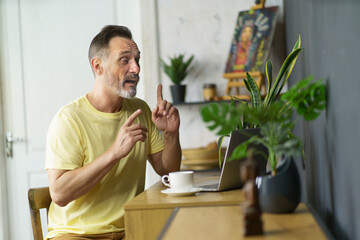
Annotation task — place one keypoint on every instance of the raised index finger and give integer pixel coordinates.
(159, 94)
(132, 117)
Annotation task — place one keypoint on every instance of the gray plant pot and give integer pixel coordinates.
(243, 135)
(280, 193)
(178, 93)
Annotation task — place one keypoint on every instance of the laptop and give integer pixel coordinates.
(230, 171)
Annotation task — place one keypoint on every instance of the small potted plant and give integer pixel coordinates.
(177, 70)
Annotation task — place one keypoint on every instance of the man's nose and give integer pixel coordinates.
(135, 67)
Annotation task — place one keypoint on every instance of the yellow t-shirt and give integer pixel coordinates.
(76, 136)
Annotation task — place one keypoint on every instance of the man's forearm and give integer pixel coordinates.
(66, 186)
(171, 156)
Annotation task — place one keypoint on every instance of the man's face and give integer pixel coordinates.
(121, 67)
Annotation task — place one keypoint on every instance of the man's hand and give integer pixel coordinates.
(165, 116)
(128, 135)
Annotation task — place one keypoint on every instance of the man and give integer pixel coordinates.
(97, 146)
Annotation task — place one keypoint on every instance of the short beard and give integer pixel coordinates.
(132, 92)
(120, 90)
(127, 94)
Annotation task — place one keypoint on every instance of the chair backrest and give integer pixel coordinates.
(39, 198)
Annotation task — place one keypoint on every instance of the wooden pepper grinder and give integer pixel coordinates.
(251, 208)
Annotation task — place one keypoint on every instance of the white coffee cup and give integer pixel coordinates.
(182, 181)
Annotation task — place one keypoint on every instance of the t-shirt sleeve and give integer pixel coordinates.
(63, 144)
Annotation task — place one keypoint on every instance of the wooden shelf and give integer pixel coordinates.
(198, 102)
(202, 102)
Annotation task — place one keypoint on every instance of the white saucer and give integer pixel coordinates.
(169, 192)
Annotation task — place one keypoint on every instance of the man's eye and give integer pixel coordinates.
(124, 60)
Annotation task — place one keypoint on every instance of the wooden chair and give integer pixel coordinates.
(39, 198)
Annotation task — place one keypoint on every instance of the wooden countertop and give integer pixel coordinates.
(226, 222)
(152, 198)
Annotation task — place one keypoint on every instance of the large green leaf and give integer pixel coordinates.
(288, 71)
(269, 77)
(309, 99)
(254, 91)
(277, 85)
(221, 117)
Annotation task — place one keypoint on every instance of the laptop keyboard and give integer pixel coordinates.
(212, 180)
(210, 186)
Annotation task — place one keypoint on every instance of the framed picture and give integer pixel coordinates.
(252, 40)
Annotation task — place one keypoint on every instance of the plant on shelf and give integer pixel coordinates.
(272, 115)
(177, 70)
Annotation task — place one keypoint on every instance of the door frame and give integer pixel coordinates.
(4, 227)
(150, 65)
(150, 45)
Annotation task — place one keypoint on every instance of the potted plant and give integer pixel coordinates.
(306, 98)
(280, 191)
(177, 70)
(225, 118)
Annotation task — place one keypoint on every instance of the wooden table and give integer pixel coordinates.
(226, 222)
(208, 215)
(146, 215)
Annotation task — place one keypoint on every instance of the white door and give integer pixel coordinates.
(44, 47)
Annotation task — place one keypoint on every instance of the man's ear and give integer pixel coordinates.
(97, 66)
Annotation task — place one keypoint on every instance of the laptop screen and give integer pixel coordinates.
(230, 173)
